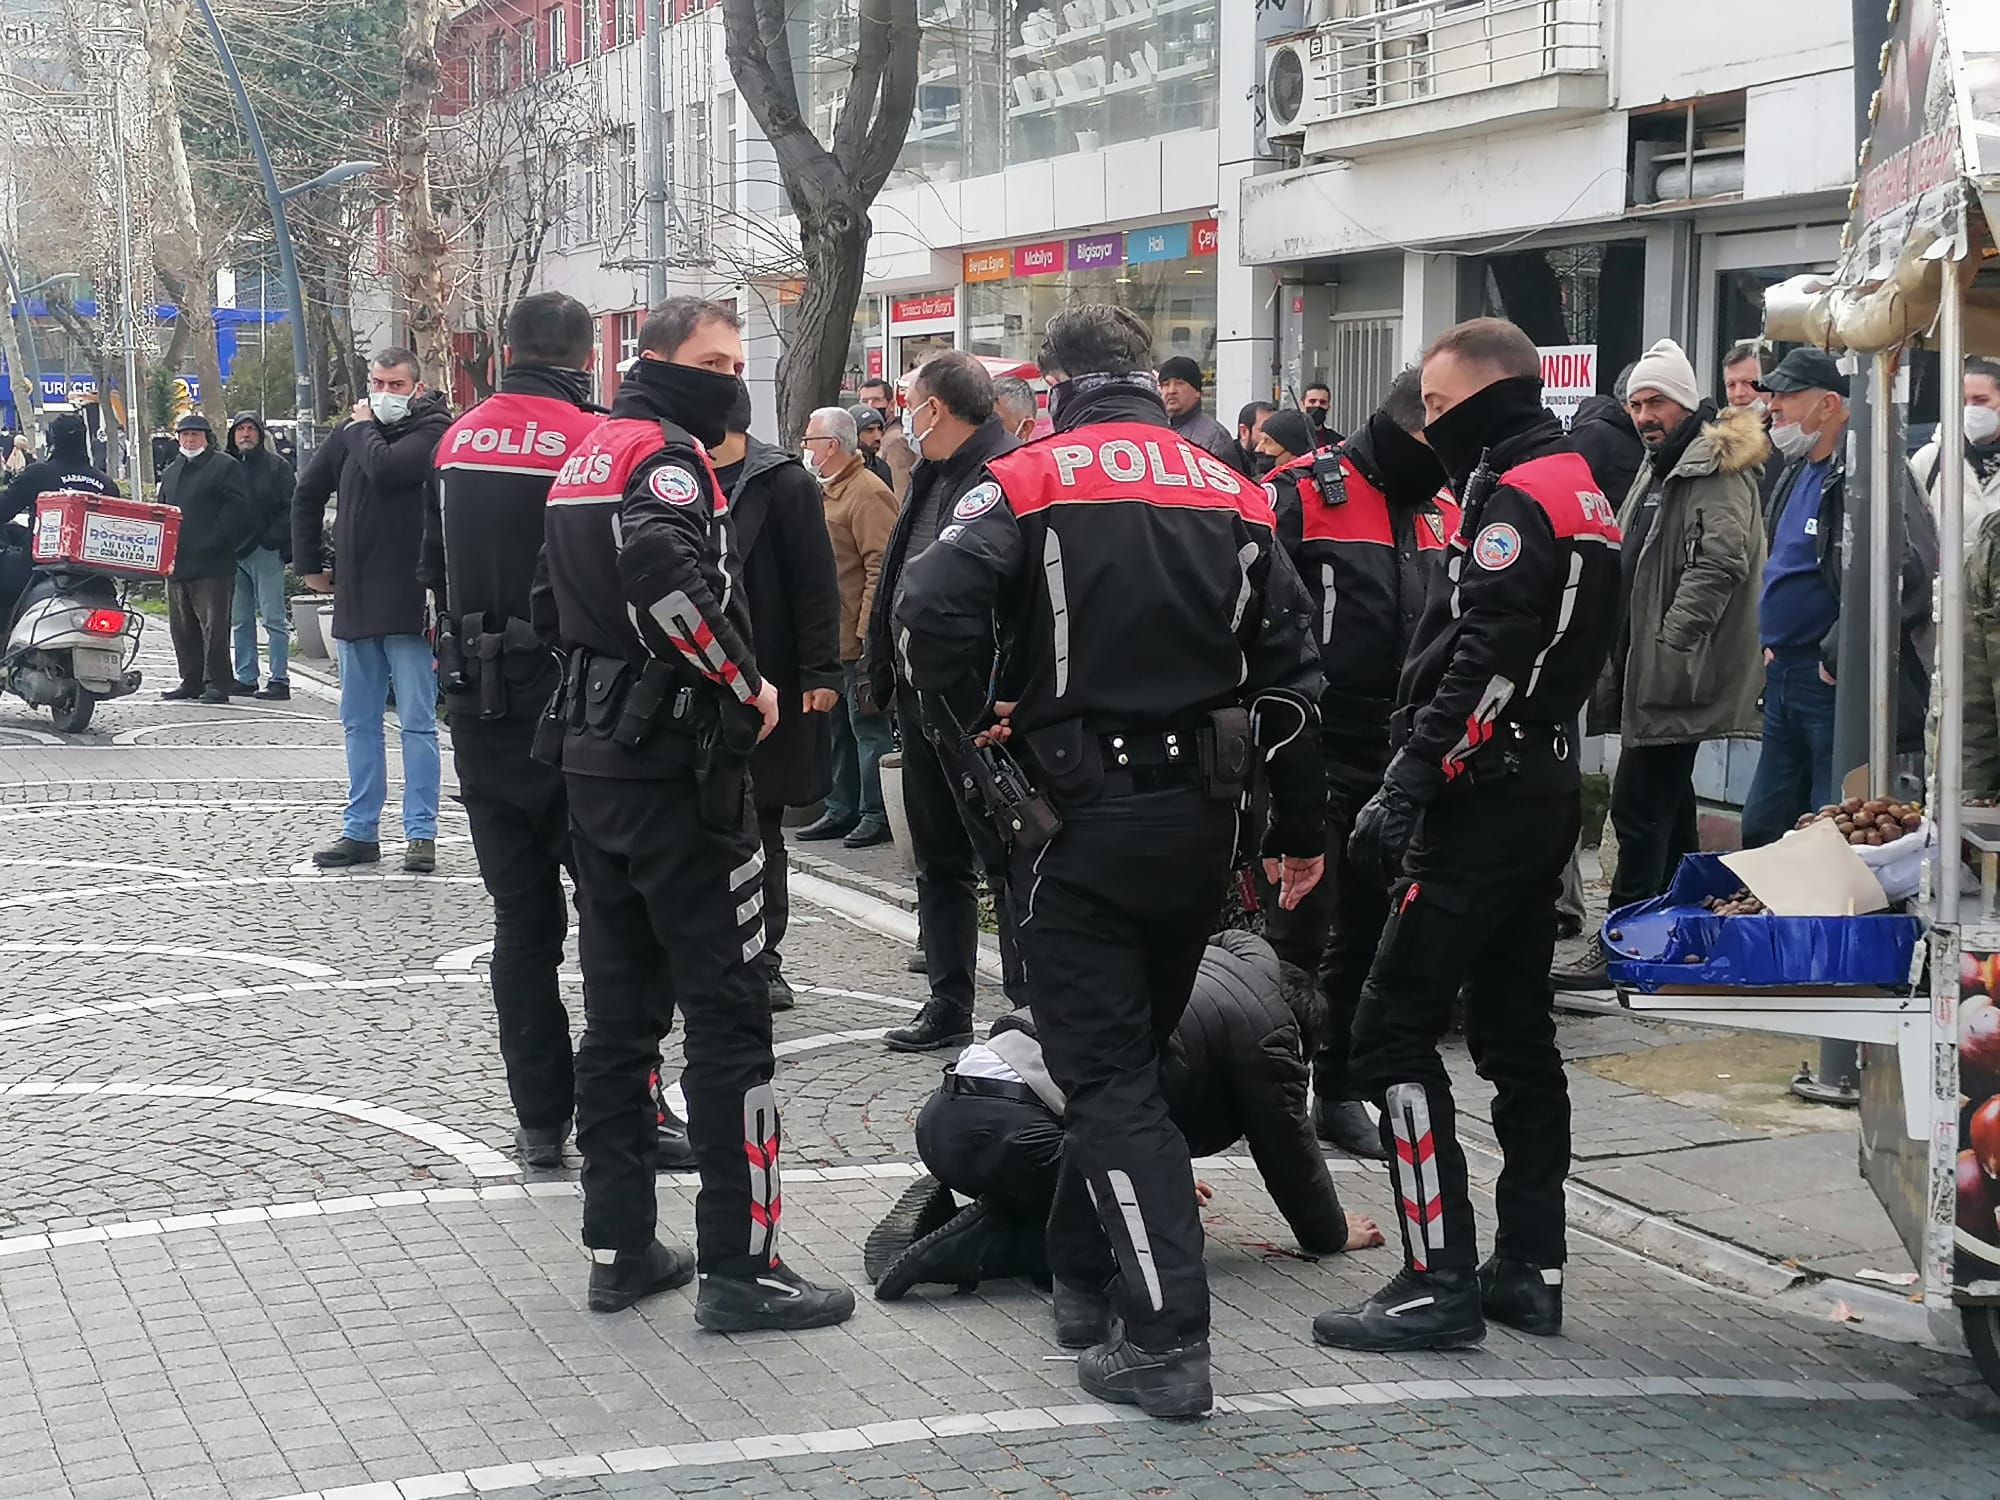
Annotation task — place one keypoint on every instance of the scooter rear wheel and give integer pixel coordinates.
(73, 713)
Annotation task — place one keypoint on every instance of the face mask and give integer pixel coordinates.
(195, 452)
(910, 434)
(1792, 440)
(1759, 407)
(389, 407)
(700, 400)
(1982, 425)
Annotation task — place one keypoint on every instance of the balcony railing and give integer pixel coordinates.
(1449, 47)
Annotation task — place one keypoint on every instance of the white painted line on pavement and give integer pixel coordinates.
(878, 915)
(101, 864)
(34, 736)
(303, 967)
(231, 882)
(477, 1158)
(800, 1044)
(1080, 1414)
(134, 736)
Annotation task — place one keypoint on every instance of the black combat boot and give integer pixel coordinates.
(673, 1151)
(777, 1298)
(1524, 1297)
(617, 1284)
(541, 1145)
(937, 1026)
(926, 1205)
(1418, 1310)
(1083, 1315)
(780, 992)
(1169, 1383)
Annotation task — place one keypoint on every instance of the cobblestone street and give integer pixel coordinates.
(262, 1236)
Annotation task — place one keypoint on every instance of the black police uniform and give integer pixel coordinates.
(1367, 556)
(1138, 589)
(1509, 649)
(482, 540)
(658, 724)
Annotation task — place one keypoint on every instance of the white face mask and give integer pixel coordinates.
(195, 452)
(1760, 406)
(390, 407)
(910, 434)
(1982, 425)
(1792, 440)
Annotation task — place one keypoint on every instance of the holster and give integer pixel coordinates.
(722, 766)
(642, 705)
(1224, 747)
(450, 657)
(553, 727)
(492, 675)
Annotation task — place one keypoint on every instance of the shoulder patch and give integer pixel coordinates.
(951, 533)
(1436, 523)
(1271, 494)
(674, 485)
(1496, 547)
(976, 501)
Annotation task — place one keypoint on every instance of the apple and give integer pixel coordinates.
(1975, 1200)
(1971, 981)
(1985, 1134)
(1979, 1041)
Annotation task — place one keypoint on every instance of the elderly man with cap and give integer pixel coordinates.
(1684, 668)
(1181, 381)
(218, 526)
(868, 430)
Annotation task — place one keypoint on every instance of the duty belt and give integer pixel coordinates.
(1150, 760)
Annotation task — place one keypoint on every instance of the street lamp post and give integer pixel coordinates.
(274, 197)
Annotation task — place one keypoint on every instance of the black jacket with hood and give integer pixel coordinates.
(67, 467)
(218, 523)
(794, 616)
(380, 475)
(1603, 433)
(270, 481)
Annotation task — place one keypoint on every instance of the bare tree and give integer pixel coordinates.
(422, 250)
(503, 173)
(832, 185)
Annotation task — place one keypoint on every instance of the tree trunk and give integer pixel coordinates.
(815, 357)
(24, 393)
(422, 246)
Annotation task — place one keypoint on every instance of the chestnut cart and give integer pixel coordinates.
(1920, 271)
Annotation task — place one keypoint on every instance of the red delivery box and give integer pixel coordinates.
(127, 537)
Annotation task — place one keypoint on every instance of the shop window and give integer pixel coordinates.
(1688, 151)
(1591, 294)
(559, 36)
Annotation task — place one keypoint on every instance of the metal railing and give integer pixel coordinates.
(1409, 53)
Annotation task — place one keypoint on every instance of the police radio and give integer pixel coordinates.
(1328, 476)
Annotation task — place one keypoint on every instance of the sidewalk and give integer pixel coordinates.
(1688, 1138)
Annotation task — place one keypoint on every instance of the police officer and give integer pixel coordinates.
(1475, 819)
(1367, 543)
(1142, 606)
(482, 539)
(660, 709)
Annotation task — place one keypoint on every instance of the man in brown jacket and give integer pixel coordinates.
(860, 514)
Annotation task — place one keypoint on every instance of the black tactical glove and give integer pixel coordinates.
(1387, 822)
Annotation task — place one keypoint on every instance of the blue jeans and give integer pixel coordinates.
(1795, 766)
(367, 668)
(859, 743)
(260, 595)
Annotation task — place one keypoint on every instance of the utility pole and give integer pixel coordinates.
(128, 328)
(652, 144)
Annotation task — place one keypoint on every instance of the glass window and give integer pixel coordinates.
(591, 226)
(624, 21)
(725, 141)
(591, 24)
(527, 51)
(502, 81)
(628, 336)
(472, 76)
(1175, 297)
(1570, 294)
(559, 36)
(626, 144)
(864, 349)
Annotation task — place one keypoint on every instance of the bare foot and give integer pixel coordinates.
(1362, 1233)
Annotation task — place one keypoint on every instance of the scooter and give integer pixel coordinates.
(71, 642)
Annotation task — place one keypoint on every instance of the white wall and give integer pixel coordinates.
(1799, 135)
(1678, 51)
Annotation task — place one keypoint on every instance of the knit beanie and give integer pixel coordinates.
(1664, 368)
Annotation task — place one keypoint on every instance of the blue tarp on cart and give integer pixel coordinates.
(1673, 941)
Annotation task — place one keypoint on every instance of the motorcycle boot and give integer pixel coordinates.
(1170, 1383)
(1528, 1299)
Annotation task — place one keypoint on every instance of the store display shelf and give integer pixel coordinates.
(1063, 41)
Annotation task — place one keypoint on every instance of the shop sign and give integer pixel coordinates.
(1098, 250)
(874, 363)
(1167, 242)
(1043, 259)
(1569, 375)
(1206, 236)
(988, 265)
(931, 307)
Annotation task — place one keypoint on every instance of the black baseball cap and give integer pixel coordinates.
(1805, 370)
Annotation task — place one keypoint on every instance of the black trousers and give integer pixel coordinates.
(777, 885)
(198, 621)
(670, 923)
(1003, 1150)
(1335, 931)
(1653, 813)
(1478, 911)
(1115, 914)
(949, 873)
(519, 814)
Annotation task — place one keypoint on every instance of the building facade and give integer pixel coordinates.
(1605, 173)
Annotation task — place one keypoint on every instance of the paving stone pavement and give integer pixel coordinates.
(258, 1239)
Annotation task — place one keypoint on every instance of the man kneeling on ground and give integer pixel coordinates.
(1235, 1070)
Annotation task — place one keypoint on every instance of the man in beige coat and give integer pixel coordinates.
(895, 451)
(1685, 668)
(860, 514)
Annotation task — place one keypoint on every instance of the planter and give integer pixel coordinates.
(899, 817)
(306, 637)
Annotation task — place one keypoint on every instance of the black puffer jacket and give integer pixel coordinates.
(270, 481)
(1235, 1070)
(381, 475)
(1603, 433)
